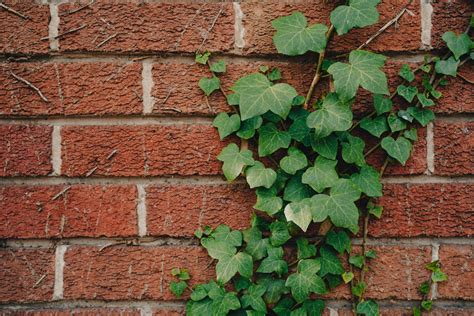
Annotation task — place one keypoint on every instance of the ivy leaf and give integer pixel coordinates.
(234, 160)
(358, 13)
(382, 104)
(405, 115)
(258, 95)
(357, 261)
(347, 277)
(438, 276)
(254, 299)
(368, 180)
(457, 44)
(330, 263)
(426, 305)
(411, 134)
(399, 149)
(256, 245)
(202, 58)
(228, 266)
(279, 233)
(304, 283)
(295, 190)
(248, 127)
(305, 250)
(268, 202)
(223, 233)
(177, 288)
(353, 151)
(423, 116)
(274, 262)
(259, 176)
(296, 160)
(274, 75)
(447, 67)
(218, 249)
(299, 213)
(283, 308)
(294, 37)
(309, 265)
(322, 175)
(226, 125)
(315, 307)
(218, 66)
(408, 93)
(298, 130)
(334, 115)
(395, 123)
(363, 69)
(203, 307)
(424, 101)
(339, 240)
(225, 303)
(199, 292)
(376, 211)
(376, 126)
(368, 308)
(209, 85)
(326, 147)
(275, 288)
(271, 139)
(371, 254)
(406, 73)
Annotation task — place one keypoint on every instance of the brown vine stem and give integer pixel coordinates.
(7, 8)
(317, 75)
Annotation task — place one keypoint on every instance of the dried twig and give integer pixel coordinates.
(29, 84)
(106, 40)
(111, 154)
(65, 33)
(39, 281)
(61, 193)
(21, 15)
(78, 9)
(90, 172)
(210, 29)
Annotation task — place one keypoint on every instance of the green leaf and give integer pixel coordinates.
(233, 99)
(296, 160)
(309, 265)
(258, 95)
(299, 131)
(339, 241)
(416, 311)
(363, 70)
(326, 147)
(268, 202)
(376, 211)
(218, 249)
(254, 299)
(202, 58)
(248, 127)
(347, 277)
(353, 151)
(368, 180)
(223, 233)
(406, 73)
(408, 93)
(457, 44)
(283, 308)
(275, 289)
(279, 233)
(234, 160)
(433, 266)
(226, 125)
(259, 176)
(274, 75)
(376, 126)
(304, 283)
(399, 149)
(333, 115)
(218, 66)
(382, 104)
(438, 276)
(424, 288)
(447, 67)
(358, 289)
(423, 116)
(396, 124)
(313, 308)
(426, 305)
(357, 261)
(295, 190)
(294, 37)
(209, 85)
(274, 262)
(424, 101)
(177, 288)
(368, 308)
(300, 213)
(225, 303)
(228, 266)
(241, 283)
(203, 307)
(411, 134)
(305, 250)
(330, 263)
(271, 139)
(322, 175)
(256, 246)
(371, 254)
(405, 115)
(358, 13)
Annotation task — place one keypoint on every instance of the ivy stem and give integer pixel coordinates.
(317, 75)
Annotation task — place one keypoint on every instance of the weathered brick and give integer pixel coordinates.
(169, 312)
(118, 273)
(454, 148)
(76, 311)
(457, 95)
(83, 210)
(439, 210)
(157, 27)
(259, 32)
(449, 15)
(82, 88)
(457, 261)
(26, 275)
(140, 150)
(178, 210)
(408, 311)
(25, 150)
(18, 35)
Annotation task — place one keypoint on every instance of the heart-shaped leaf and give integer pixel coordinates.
(399, 149)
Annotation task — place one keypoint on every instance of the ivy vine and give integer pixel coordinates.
(313, 182)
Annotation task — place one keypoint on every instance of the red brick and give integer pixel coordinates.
(18, 35)
(169, 312)
(26, 275)
(457, 261)
(408, 311)
(438, 210)
(25, 150)
(141, 150)
(71, 89)
(76, 311)
(457, 95)
(449, 15)
(82, 211)
(454, 148)
(119, 273)
(178, 210)
(157, 27)
(259, 32)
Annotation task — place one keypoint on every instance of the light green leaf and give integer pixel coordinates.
(347, 277)
(271, 139)
(257, 95)
(296, 160)
(253, 298)
(305, 250)
(202, 58)
(234, 160)
(228, 266)
(256, 246)
(299, 213)
(274, 75)
(294, 37)
(358, 13)
(376, 126)
(376, 211)
(309, 266)
(295, 190)
(408, 93)
(368, 180)
(209, 85)
(438, 276)
(248, 127)
(218, 249)
(363, 70)
(322, 175)
(218, 66)
(382, 104)
(225, 303)
(357, 261)
(339, 240)
(353, 150)
(457, 44)
(396, 124)
(279, 233)
(304, 283)
(411, 134)
(368, 308)
(333, 115)
(226, 125)
(259, 176)
(423, 116)
(223, 233)
(203, 307)
(330, 263)
(447, 67)
(177, 288)
(268, 202)
(424, 101)
(274, 262)
(326, 147)
(406, 73)
(399, 149)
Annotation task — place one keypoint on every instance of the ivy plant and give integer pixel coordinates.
(308, 163)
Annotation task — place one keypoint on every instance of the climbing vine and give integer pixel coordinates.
(309, 166)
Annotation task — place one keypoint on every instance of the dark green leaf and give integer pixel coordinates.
(396, 124)
(271, 139)
(368, 180)
(248, 127)
(177, 288)
(424, 288)
(357, 14)
(279, 233)
(274, 75)
(218, 66)
(368, 308)
(447, 67)
(376, 126)
(423, 116)
(326, 147)
(353, 150)
(339, 240)
(253, 298)
(382, 104)
(424, 101)
(296, 160)
(399, 149)
(295, 190)
(406, 73)
(457, 44)
(426, 305)
(305, 250)
(411, 134)
(357, 261)
(226, 125)
(322, 175)
(408, 93)
(268, 202)
(330, 263)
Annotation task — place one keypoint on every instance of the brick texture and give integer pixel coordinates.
(75, 312)
(458, 263)
(449, 15)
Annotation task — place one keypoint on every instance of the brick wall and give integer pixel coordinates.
(103, 185)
